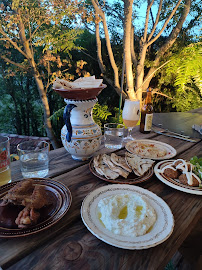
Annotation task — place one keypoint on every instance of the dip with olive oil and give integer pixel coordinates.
(126, 214)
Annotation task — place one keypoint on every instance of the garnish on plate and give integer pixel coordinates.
(197, 168)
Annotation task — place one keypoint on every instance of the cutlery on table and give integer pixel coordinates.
(172, 134)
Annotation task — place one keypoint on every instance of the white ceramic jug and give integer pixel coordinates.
(80, 135)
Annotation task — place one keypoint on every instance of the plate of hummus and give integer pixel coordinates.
(127, 217)
(151, 149)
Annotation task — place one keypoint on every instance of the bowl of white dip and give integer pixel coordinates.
(127, 216)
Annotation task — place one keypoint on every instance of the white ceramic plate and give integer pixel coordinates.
(174, 183)
(161, 230)
(170, 151)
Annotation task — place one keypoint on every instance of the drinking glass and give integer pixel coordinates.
(131, 116)
(33, 158)
(113, 135)
(5, 171)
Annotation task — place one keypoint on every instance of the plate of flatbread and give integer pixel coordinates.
(151, 149)
(122, 169)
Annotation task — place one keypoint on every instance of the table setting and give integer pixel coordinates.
(126, 175)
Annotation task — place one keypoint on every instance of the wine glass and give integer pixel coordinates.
(131, 116)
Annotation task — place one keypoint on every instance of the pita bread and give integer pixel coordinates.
(103, 169)
(120, 161)
(113, 167)
(83, 82)
(139, 165)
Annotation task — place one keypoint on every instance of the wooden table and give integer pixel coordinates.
(69, 245)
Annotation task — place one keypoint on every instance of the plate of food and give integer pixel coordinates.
(121, 169)
(179, 175)
(151, 149)
(127, 216)
(31, 205)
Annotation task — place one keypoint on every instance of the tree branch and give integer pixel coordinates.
(149, 5)
(90, 56)
(13, 43)
(99, 45)
(118, 90)
(150, 75)
(169, 42)
(160, 93)
(33, 33)
(133, 55)
(156, 21)
(115, 11)
(165, 24)
(12, 62)
(109, 48)
(88, 28)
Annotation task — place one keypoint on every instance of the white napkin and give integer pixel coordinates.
(84, 82)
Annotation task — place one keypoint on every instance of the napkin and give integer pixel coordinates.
(83, 82)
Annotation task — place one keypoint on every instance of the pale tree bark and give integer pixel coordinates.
(99, 45)
(128, 10)
(142, 81)
(168, 43)
(100, 12)
(142, 56)
(133, 55)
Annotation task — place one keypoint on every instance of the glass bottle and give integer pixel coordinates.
(147, 113)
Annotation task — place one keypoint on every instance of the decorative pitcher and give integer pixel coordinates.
(80, 135)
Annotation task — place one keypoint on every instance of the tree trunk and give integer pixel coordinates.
(46, 110)
(128, 9)
(140, 73)
(39, 84)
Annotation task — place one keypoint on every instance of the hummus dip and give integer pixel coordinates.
(126, 214)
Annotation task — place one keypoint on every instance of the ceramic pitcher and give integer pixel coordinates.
(80, 135)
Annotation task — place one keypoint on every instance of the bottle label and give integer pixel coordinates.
(148, 122)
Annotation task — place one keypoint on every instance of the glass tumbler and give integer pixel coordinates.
(5, 171)
(34, 158)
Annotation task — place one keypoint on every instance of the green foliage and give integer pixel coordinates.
(58, 39)
(57, 122)
(100, 114)
(6, 111)
(197, 162)
(186, 69)
(170, 266)
(114, 118)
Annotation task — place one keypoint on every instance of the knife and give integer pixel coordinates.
(174, 136)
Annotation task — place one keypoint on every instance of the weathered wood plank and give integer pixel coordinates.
(81, 182)
(77, 248)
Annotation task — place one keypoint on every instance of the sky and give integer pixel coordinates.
(141, 14)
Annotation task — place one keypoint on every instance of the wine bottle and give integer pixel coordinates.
(147, 113)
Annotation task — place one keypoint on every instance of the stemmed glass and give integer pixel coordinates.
(131, 116)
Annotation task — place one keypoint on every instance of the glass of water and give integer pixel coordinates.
(113, 135)
(33, 158)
